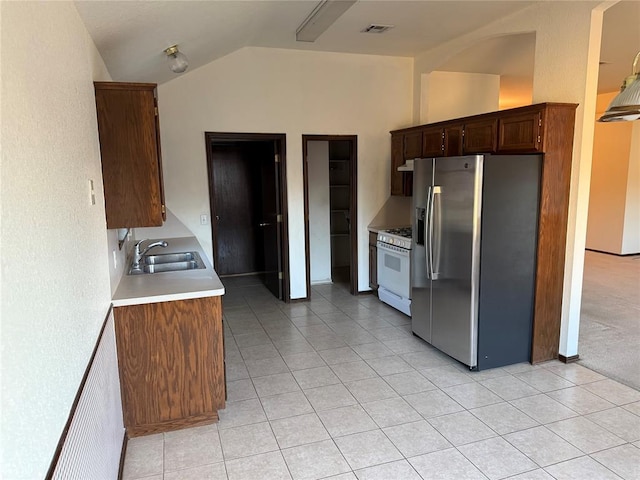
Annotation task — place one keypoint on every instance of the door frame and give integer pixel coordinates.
(280, 144)
(353, 207)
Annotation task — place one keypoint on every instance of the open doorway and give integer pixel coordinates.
(247, 194)
(330, 197)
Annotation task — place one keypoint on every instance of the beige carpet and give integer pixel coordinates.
(609, 341)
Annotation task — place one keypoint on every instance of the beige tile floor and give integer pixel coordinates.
(337, 387)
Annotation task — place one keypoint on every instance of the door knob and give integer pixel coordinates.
(263, 224)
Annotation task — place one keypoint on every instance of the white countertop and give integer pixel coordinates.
(169, 286)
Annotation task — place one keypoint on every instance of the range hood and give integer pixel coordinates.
(407, 167)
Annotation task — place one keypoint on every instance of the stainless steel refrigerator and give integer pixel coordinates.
(474, 256)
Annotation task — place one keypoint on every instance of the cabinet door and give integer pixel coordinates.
(480, 137)
(373, 267)
(412, 145)
(397, 159)
(129, 147)
(170, 358)
(432, 142)
(520, 132)
(453, 141)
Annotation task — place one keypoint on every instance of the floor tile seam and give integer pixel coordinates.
(599, 462)
(597, 425)
(576, 414)
(577, 458)
(496, 434)
(538, 424)
(279, 449)
(244, 456)
(624, 404)
(505, 399)
(582, 452)
(582, 382)
(486, 474)
(553, 389)
(193, 466)
(346, 434)
(405, 459)
(637, 438)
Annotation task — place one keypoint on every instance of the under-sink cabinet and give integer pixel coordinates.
(171, 363)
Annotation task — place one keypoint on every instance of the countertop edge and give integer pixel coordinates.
(125, 302)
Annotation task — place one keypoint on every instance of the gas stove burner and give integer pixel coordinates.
(402, 232)
(399, 237)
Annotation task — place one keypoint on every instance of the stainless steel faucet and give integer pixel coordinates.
(137, 254)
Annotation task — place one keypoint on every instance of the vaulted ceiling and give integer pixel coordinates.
(131, 35)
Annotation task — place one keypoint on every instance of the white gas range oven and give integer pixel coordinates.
(394, 268)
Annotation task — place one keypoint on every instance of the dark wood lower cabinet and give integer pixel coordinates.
(373, 260)
(171, 363)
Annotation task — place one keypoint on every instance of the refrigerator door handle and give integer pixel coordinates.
(436, 231)
(429, 255)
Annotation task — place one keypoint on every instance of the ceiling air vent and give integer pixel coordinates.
(375, 28)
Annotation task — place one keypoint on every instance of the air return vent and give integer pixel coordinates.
(376, 28)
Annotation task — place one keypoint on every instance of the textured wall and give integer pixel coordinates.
(55, 279)
(447, 95)
(319, 215)
(292, 92)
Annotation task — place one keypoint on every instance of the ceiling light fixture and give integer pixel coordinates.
(321, 18)
(626, 105)
(178, 61)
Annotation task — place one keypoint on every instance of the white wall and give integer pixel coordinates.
(291, 92)
(614, 198)
(608, 192)
(319, 211)
(55, 277)
(447, 95)
(631, 236)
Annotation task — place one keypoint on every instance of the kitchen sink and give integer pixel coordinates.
(171, 258)
(168, 262)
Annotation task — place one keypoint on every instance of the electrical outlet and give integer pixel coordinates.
(204, 219)
(92, 193)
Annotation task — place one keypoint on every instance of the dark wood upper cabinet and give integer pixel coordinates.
(397, 159)
(480, 136)
(130, 151)
(453, 140)
(412, 145)
(520, 132)
(545, 128)
(432, 142)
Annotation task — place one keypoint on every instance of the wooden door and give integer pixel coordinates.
(236, 192)
(270, 216)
